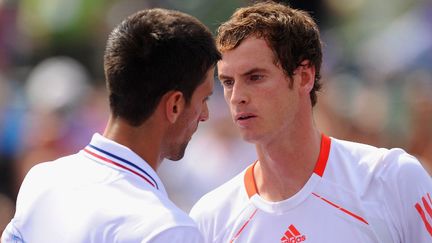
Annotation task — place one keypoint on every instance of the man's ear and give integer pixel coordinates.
(307, 74)
(174, 105)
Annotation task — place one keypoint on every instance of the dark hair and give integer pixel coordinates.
(292, 35)
(152, 52)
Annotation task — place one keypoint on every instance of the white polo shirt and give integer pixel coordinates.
(357, 194)
(104, 193)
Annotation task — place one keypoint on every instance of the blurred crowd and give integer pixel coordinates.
(377, 76)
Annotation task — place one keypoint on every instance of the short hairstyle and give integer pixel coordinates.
(151, 53)
(292, 35)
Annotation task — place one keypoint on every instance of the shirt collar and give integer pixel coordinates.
(320, 165)
(118, 156)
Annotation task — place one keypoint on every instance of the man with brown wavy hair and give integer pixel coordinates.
(304, 186)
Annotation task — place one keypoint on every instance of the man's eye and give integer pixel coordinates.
(227, 82)
(256, 77)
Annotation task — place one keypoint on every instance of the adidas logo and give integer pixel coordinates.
(292, 235)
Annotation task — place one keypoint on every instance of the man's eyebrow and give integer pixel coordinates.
(249, 72)
(222, 76)
(253, 70)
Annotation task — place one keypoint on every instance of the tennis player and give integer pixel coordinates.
(159, 67)
(305, 186)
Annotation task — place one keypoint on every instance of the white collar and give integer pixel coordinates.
(123, 158)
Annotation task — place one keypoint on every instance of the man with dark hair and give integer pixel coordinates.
(159, 68)
(304, 186)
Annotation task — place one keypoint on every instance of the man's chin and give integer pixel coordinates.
(249, 138)
(178, 154)
(176, 157)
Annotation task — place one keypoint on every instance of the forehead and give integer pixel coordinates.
(251, 53)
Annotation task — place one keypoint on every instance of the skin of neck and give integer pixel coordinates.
(137, 138)
(287, 162)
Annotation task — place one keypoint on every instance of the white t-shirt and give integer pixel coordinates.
(357, 194)
(104, 193)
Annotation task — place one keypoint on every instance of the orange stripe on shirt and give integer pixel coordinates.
(249, 181)
(341, 208)
(243, 227)
(427, 206)
(323, 155)
(423, 217)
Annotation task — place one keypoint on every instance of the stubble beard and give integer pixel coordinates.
(178, 153)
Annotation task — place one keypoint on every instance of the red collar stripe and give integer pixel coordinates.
(323, 155)
(119, 165)
(249, 181)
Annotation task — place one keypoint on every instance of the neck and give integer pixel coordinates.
(284, 167)
(142, 140)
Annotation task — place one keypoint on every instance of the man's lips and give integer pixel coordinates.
(244, 116)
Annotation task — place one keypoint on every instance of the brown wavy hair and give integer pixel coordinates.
(292, 35)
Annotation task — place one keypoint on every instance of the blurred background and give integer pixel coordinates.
(377, 76)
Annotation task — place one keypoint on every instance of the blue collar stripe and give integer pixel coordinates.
(125, 161)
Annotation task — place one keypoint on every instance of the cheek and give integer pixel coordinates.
(227, 95)
(278, 101)
(197, 112)
(193, 116)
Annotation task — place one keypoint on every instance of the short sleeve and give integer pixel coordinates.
(412, 198)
